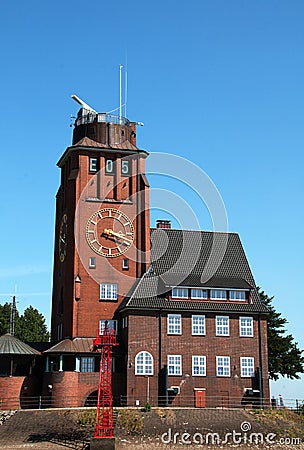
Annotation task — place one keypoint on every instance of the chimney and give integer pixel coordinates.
(163, 224)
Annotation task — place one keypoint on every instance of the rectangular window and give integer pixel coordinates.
(92, 263)
(174, 324)
(109, 166)
(199, 293)
(218, 294)
(222, 326)
(87, 364)
(247, 367)
(223, 366)
(112, 325)
(108, 291)
(174, 364)
(125, 167)
(199, 366)
(237, 295)
(246, 326)
(198, 325)
(125, 264)
(179, 293)
(59, 331)
(93, 165)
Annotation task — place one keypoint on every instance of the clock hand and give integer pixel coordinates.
(119, 235)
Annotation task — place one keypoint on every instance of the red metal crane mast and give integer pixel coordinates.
(104, 343)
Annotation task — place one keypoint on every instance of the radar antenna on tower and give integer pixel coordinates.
(82, 103)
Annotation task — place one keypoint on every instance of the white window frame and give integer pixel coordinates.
(144, 363)
(222, 329)
(247, 366)
(174, 324)
(175, 365)
(199, 365)
(180, 292)
(201, 325)
(198, 293)
(235, 295)
(214, 296)
(246, 329)
(223, 365)
(125, 264)
(108, 291)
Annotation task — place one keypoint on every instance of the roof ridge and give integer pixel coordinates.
(195, 231)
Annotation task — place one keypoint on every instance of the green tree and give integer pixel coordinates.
(29, 327)
(284, 356)
(5, 318)
(32, 326)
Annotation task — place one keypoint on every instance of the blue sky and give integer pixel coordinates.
(217, 82)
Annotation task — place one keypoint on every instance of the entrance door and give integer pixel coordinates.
(200, 398)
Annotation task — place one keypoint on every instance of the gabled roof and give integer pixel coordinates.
(76, 345)
(194, 259)
(10, 345)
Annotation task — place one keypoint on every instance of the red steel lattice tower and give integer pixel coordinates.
(104, 342)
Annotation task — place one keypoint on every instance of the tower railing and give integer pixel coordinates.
(91, 117)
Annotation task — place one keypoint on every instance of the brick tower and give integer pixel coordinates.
(102, 231)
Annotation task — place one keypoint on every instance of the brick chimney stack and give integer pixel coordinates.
(163, 224)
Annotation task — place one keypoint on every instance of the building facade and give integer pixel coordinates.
(185, 338)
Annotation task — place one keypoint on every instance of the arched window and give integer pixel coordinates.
(144, 364)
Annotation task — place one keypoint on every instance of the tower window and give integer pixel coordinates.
(92, 263)
(94, 165)
(125, 264)
(59, 331)
(109, 167)
(125, 167)
(108, 291)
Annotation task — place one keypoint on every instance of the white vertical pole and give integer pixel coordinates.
(120, 92)
(126, 91)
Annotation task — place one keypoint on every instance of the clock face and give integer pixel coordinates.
(63, 237)
(109, 232)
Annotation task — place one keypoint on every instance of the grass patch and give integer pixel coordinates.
(130, 420)
(282, 421)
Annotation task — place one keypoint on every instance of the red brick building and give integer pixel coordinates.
(185, 339)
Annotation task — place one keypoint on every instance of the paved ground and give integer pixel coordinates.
(59, 430)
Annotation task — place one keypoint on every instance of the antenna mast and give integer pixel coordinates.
(13, 316)
(120, 92)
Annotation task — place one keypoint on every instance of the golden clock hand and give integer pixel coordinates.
(118, 235)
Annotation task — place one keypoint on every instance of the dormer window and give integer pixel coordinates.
(179, 293)
(237, 295)
(218, 294)
(199, 293)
